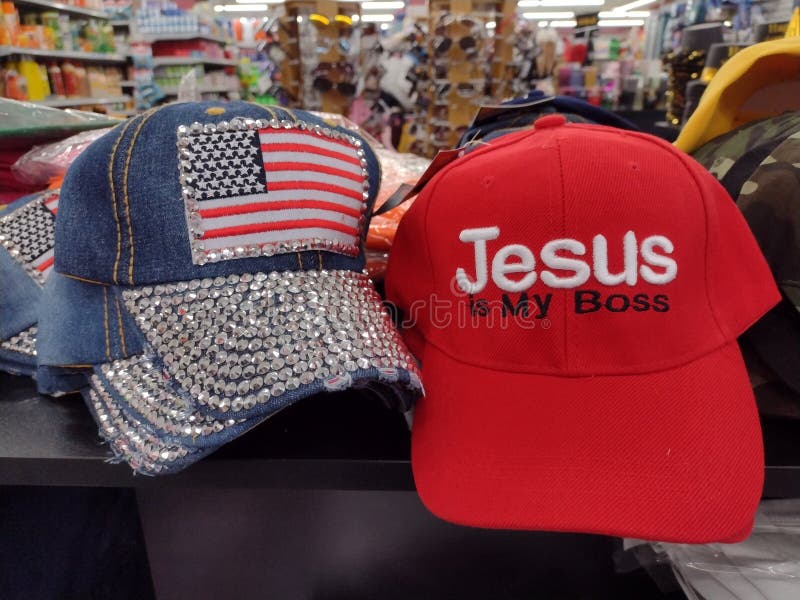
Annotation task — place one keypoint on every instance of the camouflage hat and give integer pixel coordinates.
(759, 165)
(753, 142)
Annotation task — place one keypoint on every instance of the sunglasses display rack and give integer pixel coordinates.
(460, 67)
(323, 71)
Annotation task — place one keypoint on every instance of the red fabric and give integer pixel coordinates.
(277, 226)
(288, 205)
(622, 408)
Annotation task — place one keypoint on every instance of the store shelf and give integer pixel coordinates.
(67, 102)
(62, 54)
(179, 37)
(121, 23)
(203, 89)
(168, 61)
(331, 441)
(62, 8)
(346, 441)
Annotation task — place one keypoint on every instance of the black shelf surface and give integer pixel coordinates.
(346, 441)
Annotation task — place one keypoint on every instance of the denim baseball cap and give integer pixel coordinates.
(26, 260)
(210, 272)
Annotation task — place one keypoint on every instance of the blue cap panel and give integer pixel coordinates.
(138, 231)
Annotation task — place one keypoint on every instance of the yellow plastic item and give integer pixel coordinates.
(38, 87)
(757, 82)
(793, 30)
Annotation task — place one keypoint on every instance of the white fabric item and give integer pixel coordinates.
(766, 566)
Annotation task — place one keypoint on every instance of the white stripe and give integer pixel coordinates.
(307, 157)
(310, 139)
(52, 204)
(46, 272)
(275, 216)
(347, 184)
(43, 258)
(287, 235)
(283, 196)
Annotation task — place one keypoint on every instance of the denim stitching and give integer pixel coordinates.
(119, 327)
(114, 196)
(105, 322)
(125, 190)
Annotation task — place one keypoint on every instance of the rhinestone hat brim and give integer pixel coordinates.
(22, 343)
(237, 346)
(144, 393)
(132, 441)
(276, 337)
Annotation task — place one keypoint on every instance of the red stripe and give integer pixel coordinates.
(347, 145)
(278, 186)
(54, 210)
(353, 160)
(44, 266)
(263, 227)
(244, 209)
(298, 166)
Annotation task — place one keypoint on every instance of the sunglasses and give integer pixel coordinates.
(323, 83)
(442, 43)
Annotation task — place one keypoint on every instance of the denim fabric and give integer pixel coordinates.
(17, 364)
(574, 109)
(81, 324)
(57, 381)
(145, 148)
(19, 297)
(125, 189)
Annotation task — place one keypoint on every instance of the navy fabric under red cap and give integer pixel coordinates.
(574, 294)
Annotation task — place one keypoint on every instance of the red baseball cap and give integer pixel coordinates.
(574, 293)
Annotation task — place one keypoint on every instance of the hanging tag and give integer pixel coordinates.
(491, 112)
(406, 191)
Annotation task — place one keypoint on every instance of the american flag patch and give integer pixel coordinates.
(28, 234)
(260, 188)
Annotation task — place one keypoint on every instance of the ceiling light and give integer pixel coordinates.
(551, 3)
(562, 24)
(259, 1)
(491, 25)
(240, 8)
(632, 5)
(378, 18)
(384, 26)
(631, 14)
(620, 22)
(549, 15)
(383, 5)
(356, 18)
(543, 23)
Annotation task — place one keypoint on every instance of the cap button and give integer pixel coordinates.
(549, 121)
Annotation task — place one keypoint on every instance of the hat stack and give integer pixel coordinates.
(209, 273)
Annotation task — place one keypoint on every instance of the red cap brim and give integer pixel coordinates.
(672, 455)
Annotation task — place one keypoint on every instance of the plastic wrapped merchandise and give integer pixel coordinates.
(397, 168)
(766, 566)
(47, 164)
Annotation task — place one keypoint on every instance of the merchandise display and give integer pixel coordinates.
(512, 283)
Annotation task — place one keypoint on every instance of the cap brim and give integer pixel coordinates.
(222, 355)
(249, 345)
(675, 455)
